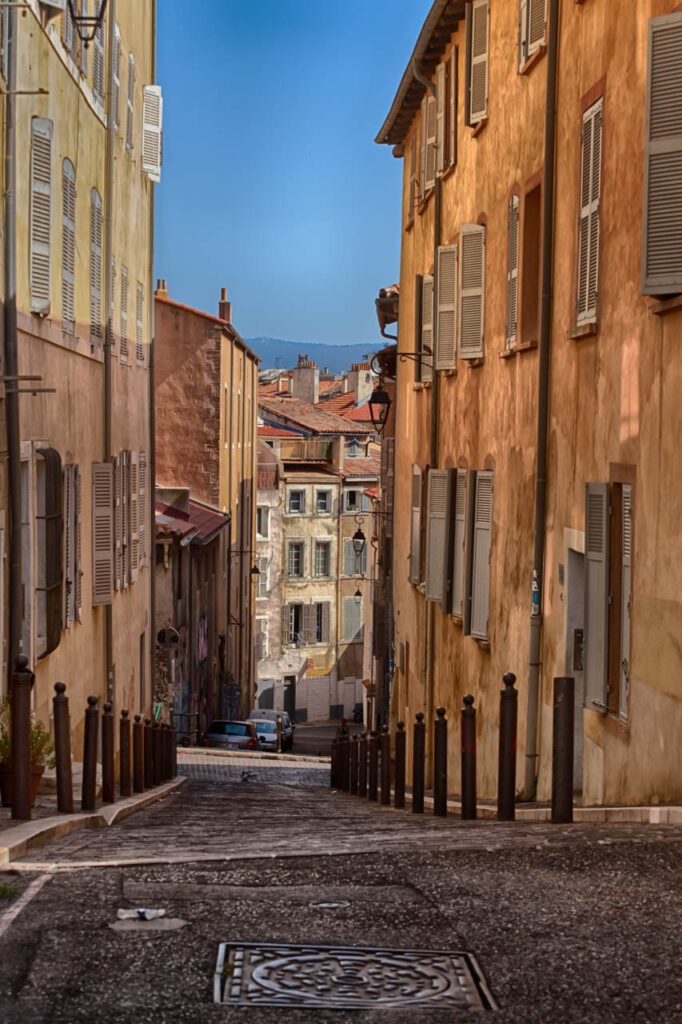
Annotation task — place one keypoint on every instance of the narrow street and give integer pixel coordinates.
(577, 923)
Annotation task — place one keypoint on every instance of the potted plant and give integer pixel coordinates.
(42, 755)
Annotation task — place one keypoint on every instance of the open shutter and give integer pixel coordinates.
(431, 130)
(134, 516)
(480, 581)
(41, 215)
(78, 558)
(309, 623)
(596, 636)
(102, 533)
(440, 118)
(413, 175)
(588, 233)
(95, 267)
(348, 557)
(67, 547)
(536, 24)
(130, 108)
(142, 507)
(98, 65)
(67, 27)
(416, 526)
(124, 314)
(478, 95)
(512, 273)
(116, 98)
(125, 518)
(437, 515)
(626, 597)
(471, 295)
(49, 558)
(459, 541)
(662, 234)
(452, 151)
(285, 624)
(84, 42)
(523, 33)
(152, 122)
(139, 323)
(68, 247)
(422, 150)
(118, 523)
(447, 307)
(325, 636)
(427, 347)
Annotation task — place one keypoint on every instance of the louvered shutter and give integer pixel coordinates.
(348, 557)
(118, 523)
(124, 314)
(512, 273)
(116, 98)
(415, 525)
(662, 229)
(67, 27)
(422, 150)
(459, 541)
(102, 533)
(286, 620)
(447, 307)
(480, 582)
(472, 291)
(78, 559)
(98, 65)
(142, 507)
(67, 547)
(68, 247)
(309, 624)
(413, 172)
(426, 347)
(453, 107)
(84, 42)
(389, 442)
(41, 215)
(152, 123)
(352, 620)
(130, 115)
(95, 267)
(596, 635)
(4, 29)
(536, 24)
(139, 323)
(437, 514)
(431, 130)
(125, 517)
(626, 599)
(134, 542)
(440, 118)
(478, 94)
(588, 245)
(523, 32)
(325, 637)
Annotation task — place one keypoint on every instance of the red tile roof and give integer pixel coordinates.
(202, 521)
(310, 417)
(362, 467)
(266, 430)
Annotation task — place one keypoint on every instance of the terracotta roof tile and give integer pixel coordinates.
(203, 521)
(310, 417)
(362, 467)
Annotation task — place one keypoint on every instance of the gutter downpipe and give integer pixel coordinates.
(535, 651)
(11, 355)
(152, 408)
(108, 330)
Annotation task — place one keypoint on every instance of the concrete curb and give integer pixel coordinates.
(30, 835)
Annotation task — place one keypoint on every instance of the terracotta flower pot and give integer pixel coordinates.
(7, 783)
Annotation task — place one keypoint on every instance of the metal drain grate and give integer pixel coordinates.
(347, 978)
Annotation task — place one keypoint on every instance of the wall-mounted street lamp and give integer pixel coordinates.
(359, 542)
(87, 24)
(358, 596)
(379, 406)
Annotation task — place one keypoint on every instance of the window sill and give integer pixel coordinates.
(473, 364)
(478, 128)
(527, 346)
(483, 644)
(452, 372)
(508, 353)
(457, 619)
(448, 171)
(425, 202)
(666, 306)
(586, 330)
(534, 59)
(418, 387)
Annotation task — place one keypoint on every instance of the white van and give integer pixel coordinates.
(287, 724)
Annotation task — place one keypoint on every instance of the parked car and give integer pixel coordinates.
(266, 731)
(231, 735)
(287, 725)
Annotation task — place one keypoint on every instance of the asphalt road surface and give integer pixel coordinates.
(316, 739)
(424, 916)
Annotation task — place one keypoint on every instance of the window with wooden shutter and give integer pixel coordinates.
(102, 533)
(41, 215)
(452, 107)
(431, 131)
(478, 84)
(286, 624)
(480, 565)
(662, 234)
(152, 125)
(626, 600)
(142, 507)
(459, 541)
(116, 97)
(309, 624)
(68, 247)
(416, 526)
(352, 620)
(426, 353)
(124, 314)
(413, 175)
(437, 516)
(596, 626)
(446, 333)
(49, 528)
(84, 41)
(95, 268)
(130, 111)
(471, 291)
(440, 117)
(139, 323)
(78, 557)
(512, 273)
(134, 521)
(324, 622)
(588, 230)
(263, 567)
(532, 17)
(67, 27)
(98, 65)
(124, 458)
(118, 522)
(68, 547)
(422, 150)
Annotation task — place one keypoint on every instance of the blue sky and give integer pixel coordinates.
(272, 185)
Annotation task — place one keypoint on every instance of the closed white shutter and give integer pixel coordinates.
(68, 247)
(596, 636)
(116, 98)
(447, 307)
(309, 623)
(348, 557)
(459, 541)
(102, 533)
(422, 150)
(142, 507)
(536, 24)
(478, 88)
(124, 314)
(452, 154)
(78, 559)
(415, 525)
(98, 65)
(437, 515)
(626, 598)
(480, 581)
(413, 172)
(67, 547)
(152, 125)
(588, 245)
(662, 234)
(352, 620)
(95, 267)
(471, 294)
(41, 215)
(139, 323)
(124, 458)
(134, 521)
(440, 118)
(426, 349)
(512, 273)
(118, 523)
(431, 128)
(130, 113)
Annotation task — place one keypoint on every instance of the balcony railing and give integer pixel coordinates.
(306, 450)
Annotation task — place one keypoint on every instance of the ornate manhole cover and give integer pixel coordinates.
(347, 977)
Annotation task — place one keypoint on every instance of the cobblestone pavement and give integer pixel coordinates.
(579, 923)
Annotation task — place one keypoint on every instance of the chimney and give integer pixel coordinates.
(305, 381)
(224, 307)
(360, 381)
(161, 289)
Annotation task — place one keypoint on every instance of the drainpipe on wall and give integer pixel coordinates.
(151, 486)
(535, 654)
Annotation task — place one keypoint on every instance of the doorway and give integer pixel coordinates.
(290, 696)
(575, 624)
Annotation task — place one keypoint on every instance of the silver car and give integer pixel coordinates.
(266, 730)
(287, 725)
(231, 735)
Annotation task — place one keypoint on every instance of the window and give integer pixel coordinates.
(130, 516)
(139, 324)
(322, 622)
(477, 17)
(41, 215)
(532, 17)
(323, 501)
(292, 624)
(531, 264)
(296, 501)
(353, 564)
(451, 109)
(102, 532)
(353, 628)
(263, 579)
(261, 638)
(152, 119)
(355, 501)
(68, 247)
(262, 521)
(416, 526)
(116, 96)
(143, 672)
(69, 34)
(124, 314)
(130, 110)
(413, 177)
(356, 448)
(447, 307)
(588, 231)
(471, 291)
(98, 65)
(95, 268)
(439, 483)
(71, 546)
(425, 345)
(662, 234)
(478, 555)
(458, 527)
(608, 596)
(427, 162)
(41, 530)
(322, 557)
(296, 558)
(512, 273)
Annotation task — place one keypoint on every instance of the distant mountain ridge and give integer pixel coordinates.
(274, 352)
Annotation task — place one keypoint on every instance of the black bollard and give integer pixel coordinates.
(372, 782)
(506, 779)
(399, 796)
(108, 794)
(333, 769)
(162, 752)
(354, 765)
(62, 749)
(385, 767)
(468, 759)
(345, 779)
(148, 755)
(20, 712)
(362, 766)
(440, 764)
(418, 751)
(156, 753)
(89, 786)
(124, 757)
(562, 749)
(138, 755)
(174, 752)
